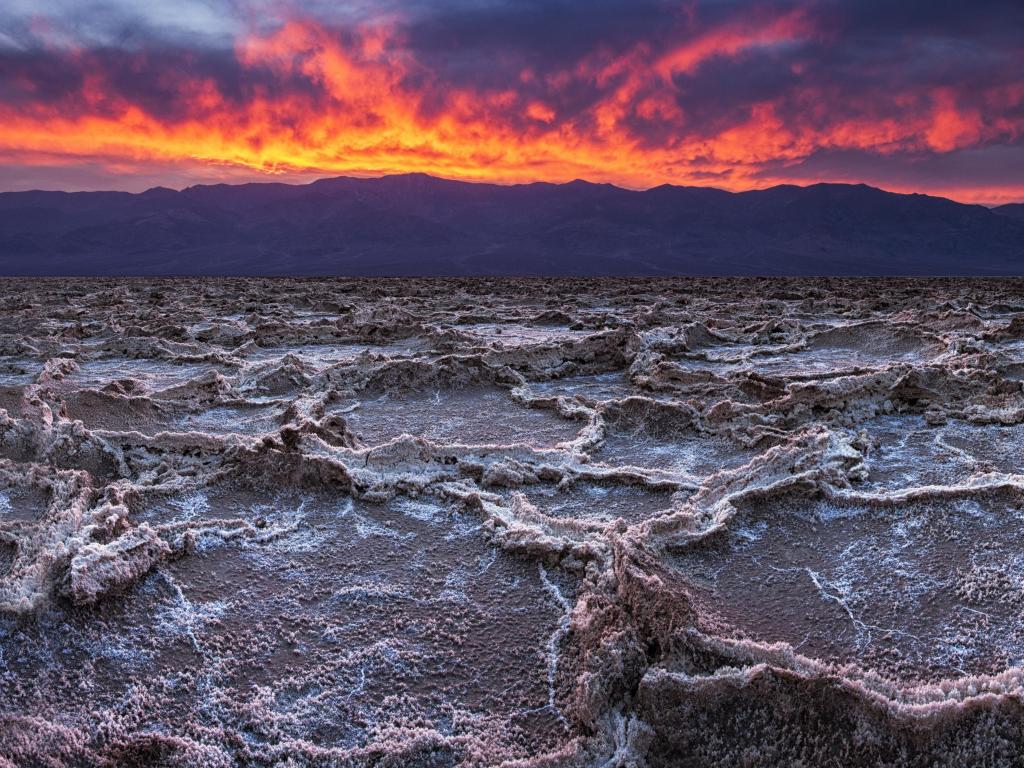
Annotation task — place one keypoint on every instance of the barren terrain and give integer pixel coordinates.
(511, 522)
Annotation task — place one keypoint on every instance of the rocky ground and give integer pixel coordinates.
(511, 522)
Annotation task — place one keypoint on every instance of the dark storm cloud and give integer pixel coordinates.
(541, 35)
(157, 80)
(860, 46)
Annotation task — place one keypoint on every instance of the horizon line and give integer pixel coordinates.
(496, 183)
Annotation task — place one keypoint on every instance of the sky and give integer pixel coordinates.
(908, 95)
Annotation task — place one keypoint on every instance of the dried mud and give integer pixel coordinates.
(526, 523)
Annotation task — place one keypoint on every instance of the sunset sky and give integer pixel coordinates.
(908, 95)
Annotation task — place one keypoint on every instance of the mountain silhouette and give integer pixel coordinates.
(415, 224)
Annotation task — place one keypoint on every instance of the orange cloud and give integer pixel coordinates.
(952, 127)
(733, 39)
(366, 105)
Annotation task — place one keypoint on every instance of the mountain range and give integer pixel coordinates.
(414, 224)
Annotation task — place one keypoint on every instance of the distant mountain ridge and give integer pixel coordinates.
(415, 224)
(1016, 210)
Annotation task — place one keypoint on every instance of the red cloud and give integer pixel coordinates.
(361, 102)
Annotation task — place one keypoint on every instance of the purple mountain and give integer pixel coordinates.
(421, 225)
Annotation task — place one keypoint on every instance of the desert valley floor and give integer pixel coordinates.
(511, 522)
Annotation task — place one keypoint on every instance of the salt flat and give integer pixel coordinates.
(511, 522)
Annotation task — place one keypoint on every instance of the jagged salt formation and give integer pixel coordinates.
(487, 522)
